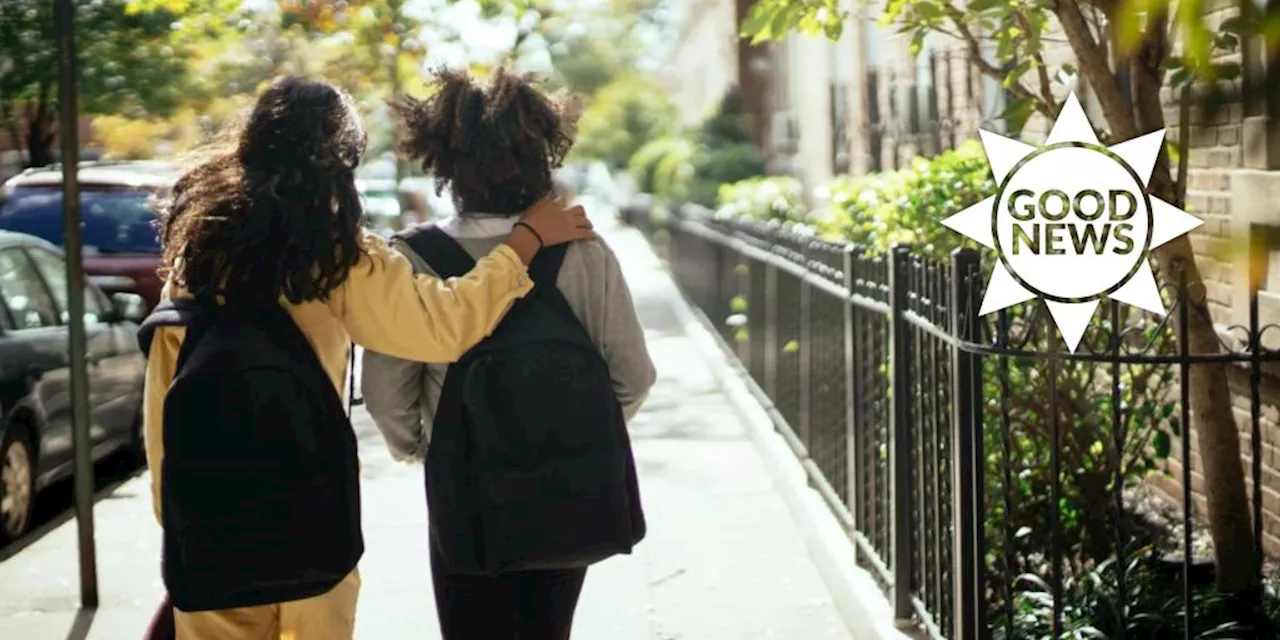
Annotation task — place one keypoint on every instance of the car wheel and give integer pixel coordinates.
(17, 484)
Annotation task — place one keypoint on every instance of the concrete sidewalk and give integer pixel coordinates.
(723, 559)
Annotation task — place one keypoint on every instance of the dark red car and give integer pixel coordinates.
(121, 245)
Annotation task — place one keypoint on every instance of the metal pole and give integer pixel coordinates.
(69, 133)
(966, 438)
(853, 437)
(900, 434)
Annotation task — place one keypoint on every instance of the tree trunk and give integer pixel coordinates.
(40, 138)
(1211, 414)
(40, 129)
(751, 82)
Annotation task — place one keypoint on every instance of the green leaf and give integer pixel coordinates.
(1162, 444)
(791, 346)
(1228, 71)
(757, 19)
(1016, 73)
(928, 11)
(1017, 113)
(833, 29)
(1175, 154)
(785, 19)
(738, 304)
(917, 41)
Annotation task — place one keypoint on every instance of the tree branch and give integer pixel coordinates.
(1046, 87)
(976, 59)
(1096, 69)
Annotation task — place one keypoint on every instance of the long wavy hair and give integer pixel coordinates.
(272, 210)
(496, 145)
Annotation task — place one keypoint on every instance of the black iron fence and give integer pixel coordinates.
(983, 476)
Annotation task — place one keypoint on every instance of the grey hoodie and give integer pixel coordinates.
(402, 395)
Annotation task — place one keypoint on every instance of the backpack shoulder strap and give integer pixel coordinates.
(446, 257)
(274, 319)
(544, 271)
(546, 265)
(170, 313)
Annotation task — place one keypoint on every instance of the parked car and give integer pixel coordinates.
(35, 389)
(121, 244)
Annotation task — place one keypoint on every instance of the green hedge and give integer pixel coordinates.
(664, 167)
(692, 166)
(908, 206)
(765, 198)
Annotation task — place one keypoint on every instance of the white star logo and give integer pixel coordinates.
(1072, 222)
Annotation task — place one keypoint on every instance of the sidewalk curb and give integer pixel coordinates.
(859, 600)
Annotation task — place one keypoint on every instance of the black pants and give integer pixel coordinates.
(527, 605)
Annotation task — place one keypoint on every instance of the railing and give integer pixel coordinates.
(916, 420)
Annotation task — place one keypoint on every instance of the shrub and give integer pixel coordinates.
(622, 116)
(908, 206)
(663, 167)
(1147, 605)
(713, 167)
(692, 169)
(725, 151)
(771, 198)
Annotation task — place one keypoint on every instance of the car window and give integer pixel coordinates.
(54, 270)
(23, 292)
(114, 221)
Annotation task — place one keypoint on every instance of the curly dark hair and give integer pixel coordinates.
(496, 145)
(273, 210)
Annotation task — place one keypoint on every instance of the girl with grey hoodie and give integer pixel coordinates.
(497, 147)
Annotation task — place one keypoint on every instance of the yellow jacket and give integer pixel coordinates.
(383, 306)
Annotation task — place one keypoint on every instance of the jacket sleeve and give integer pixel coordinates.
(385, 307)
(622, 341)
(393, 392)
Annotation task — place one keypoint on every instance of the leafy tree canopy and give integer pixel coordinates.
(132, 57)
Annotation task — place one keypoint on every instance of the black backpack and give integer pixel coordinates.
(530, 465)
(260, 493)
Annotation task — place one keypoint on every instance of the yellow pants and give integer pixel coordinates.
(331, 616)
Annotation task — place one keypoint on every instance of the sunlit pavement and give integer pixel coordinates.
(723, 559)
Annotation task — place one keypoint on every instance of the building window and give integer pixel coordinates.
(1255, 219)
